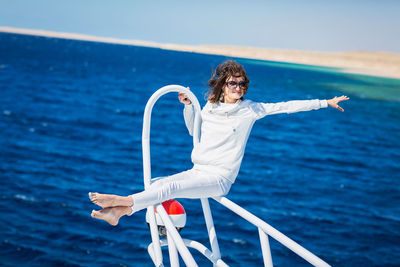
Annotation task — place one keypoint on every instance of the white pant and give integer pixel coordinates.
(188, 184)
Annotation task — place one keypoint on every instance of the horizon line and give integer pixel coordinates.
(381, 64)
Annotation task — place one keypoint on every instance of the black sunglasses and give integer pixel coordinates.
(233, 84)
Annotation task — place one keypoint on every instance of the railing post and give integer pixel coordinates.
(173, 253)
(173, 233)
(211, 229)
(266, 250)
(158, 258)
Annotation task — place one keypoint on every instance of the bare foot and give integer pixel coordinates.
(107, 201)
(111, 215)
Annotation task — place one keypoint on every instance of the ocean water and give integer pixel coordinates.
(71, 121)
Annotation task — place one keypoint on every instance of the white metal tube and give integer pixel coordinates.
(146, 153)
(147, 121)
(146, 162)
(205, 251)
(200, 248)
(155, 237)
(173, 253)
(286, 241)
(266, 250)
(173, 233)
(210, 228)
(150, 249)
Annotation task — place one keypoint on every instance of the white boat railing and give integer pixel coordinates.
(174, 241)
(264, 229)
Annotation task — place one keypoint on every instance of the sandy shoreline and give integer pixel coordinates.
(368, 63)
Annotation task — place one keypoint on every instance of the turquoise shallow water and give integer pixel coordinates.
(362, 86)
(71, 117)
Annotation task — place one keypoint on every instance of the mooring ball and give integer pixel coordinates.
(175, 211)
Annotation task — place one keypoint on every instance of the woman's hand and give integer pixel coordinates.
(334, 102)
(183, 98)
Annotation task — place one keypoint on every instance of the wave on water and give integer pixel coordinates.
(25, 198)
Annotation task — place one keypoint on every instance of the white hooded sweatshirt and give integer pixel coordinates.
(225, 129)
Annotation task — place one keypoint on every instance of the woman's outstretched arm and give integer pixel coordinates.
(264, 109)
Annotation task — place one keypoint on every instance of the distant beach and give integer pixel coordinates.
(379, 64)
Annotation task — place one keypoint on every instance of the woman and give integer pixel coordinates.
(227, 120)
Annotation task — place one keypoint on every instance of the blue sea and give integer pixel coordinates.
(71, 115)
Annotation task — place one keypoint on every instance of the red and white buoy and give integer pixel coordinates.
(176, 213)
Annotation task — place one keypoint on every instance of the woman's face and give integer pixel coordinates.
(233, 89)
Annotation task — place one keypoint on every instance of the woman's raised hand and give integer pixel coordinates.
(334, 102)
(183, 98)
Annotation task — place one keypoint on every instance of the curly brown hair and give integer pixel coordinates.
(222, 73)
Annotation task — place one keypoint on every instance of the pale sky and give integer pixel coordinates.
(330, 25)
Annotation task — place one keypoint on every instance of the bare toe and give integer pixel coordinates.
(94, 197)
(94, 213)
(91, 196)
(108, 201)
